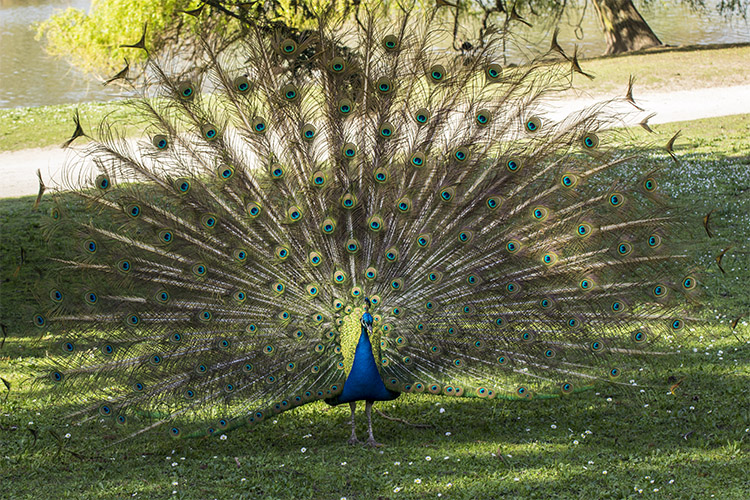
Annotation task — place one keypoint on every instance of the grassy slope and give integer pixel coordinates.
(656, 71)
(691, 444)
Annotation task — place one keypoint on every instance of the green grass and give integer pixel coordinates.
(692, 443)
(667, 69)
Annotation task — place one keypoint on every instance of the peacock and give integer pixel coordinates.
(348, 213)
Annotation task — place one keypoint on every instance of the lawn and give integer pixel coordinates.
(692, 441)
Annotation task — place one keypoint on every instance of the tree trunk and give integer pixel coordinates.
(624, 28)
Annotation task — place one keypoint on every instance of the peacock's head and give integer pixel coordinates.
(367, 318)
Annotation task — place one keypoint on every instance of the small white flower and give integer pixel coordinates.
(449, 485)
(174, 492)
(442, 410)
(396, 463)
(396, 489)
(553, 426)
(604, 472)
(343, 498)
(174, 464)
(67, 436)
(275, 421)
(446, 458)
(243, 480)
(575, 442)
(303, 449)
(609, 400)
(31, 422)
(175, 483)
(448, 433)
(170, 458)
(516, 479)
(417, 481)
(428, 458)
(343, 463)
(671, 481)
(223, 437)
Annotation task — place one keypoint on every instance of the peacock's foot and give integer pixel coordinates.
(373, 443)
(353, 440)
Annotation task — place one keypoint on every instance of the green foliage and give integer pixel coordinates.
(92, 40)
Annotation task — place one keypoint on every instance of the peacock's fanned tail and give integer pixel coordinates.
(221, 259)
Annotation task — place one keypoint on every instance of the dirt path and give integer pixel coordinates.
(18, 168)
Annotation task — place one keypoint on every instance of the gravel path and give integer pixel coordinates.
(18, 168)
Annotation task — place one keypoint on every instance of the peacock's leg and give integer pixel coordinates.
(353, 439)
(370, 439)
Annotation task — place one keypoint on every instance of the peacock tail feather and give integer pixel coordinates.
(281, 181)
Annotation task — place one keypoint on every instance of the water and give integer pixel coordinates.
(28, 77)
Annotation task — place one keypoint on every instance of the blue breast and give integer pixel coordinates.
(364, 382)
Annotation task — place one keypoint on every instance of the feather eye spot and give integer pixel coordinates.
(447, 194)
(102, 182)
(384, 85)
(182, 185)
(513, 165)
(259, 125)
(494, 202)
(288, 47)
(483, 117)
(493, 72)
(289, 92)
(386, 130)
(350, 150)
(461, 154)
(345, 106)
(624, 249)
(186, 90)
(390, 43)
(352, 246)
(549, 259)
(590, 141)
(639, 336)
(422, 116)
(209, 132)
(533, 124)
(160, 141)
(513, 246)
(199, 270)
(241, 84)
(437, 73)
(688, 283)
(337, 65)
(584, 229)
(616, 199)
(654, 241)
(417, 159)
(371, 273)
(568, 180)
(162, 296)
(650, 185)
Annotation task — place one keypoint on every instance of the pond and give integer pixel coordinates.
(28, 77)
